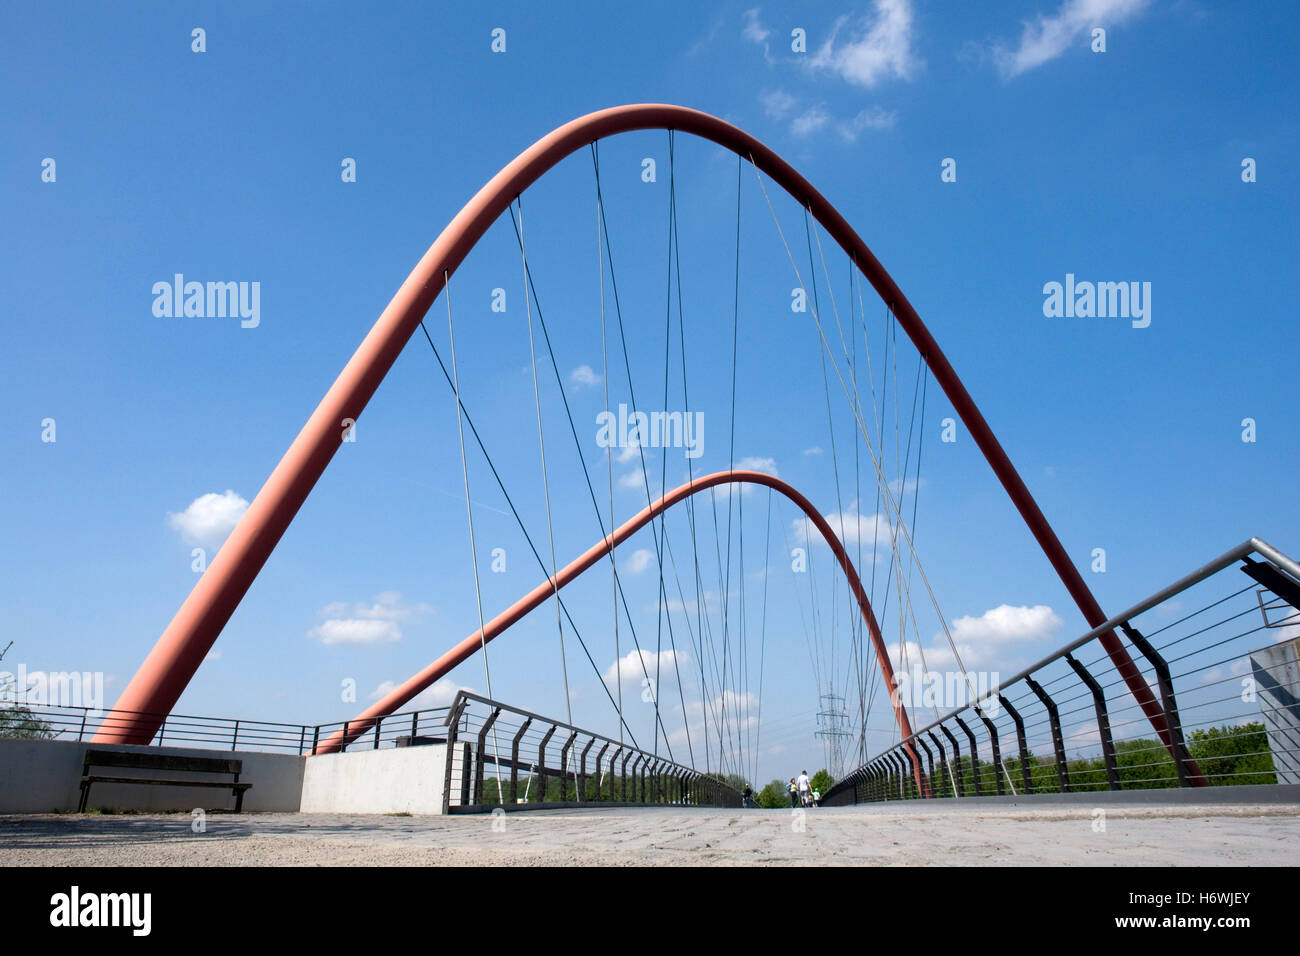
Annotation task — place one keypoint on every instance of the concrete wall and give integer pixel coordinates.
(40, 776)
(1276, 670)
(400, 780)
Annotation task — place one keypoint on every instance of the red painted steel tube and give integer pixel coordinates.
(544, 592)
(177, 654)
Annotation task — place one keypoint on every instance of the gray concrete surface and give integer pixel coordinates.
(868, 835)
(37, 776)
(397, 780)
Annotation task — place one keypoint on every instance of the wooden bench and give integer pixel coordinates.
(164, 763)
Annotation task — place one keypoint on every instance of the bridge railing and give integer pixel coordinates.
(1218, 649)
(412, 727)
(20, 718)
(503, 756)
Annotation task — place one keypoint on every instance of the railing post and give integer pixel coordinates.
(636, 762)
(343, 742)
(974, 753)
(453, 727)
(613, 763)
(957, 762)
(541, 764)
(999, 772)
(1103, 721)
(582, 770)
(1182, 758)
(302, 738)
(315, 739)
(600, 756)
(1058, 742)
(480, 757)
(914, 770)
(564, 767)
(622, 780)
(943, 765)
(514, 760)
(1020, 741)
(81, 732)
(234, 738)
(929, 760)
(379, 722)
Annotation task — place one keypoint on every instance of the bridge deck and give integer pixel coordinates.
(944, 834)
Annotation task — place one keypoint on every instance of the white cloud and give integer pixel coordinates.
(815, 450)
(850, 526)
(638, 561)
(440, 694)
(374, 623)
(209, 518)
(777, 104)
(810, 121)
(989, 645)
(753, 463)
(1046, 38)
(584, 375)
(634, 481)
(356, 631)
(1005, 624)
(878, 48)
(754, 31)
(629, 666)
(872, 118)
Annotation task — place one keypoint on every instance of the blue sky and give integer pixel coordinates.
(225, 166)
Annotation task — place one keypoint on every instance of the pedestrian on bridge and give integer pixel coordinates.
(804, 785)
(794, 794)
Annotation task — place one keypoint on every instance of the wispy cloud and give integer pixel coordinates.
(439, 695)
(375, 623)
(871, 49)
(754, 31)
(209, 518)
(777, 104)
(872, 118)
(638, 561)
(810, 121)
(584, 376)
(1047, 37)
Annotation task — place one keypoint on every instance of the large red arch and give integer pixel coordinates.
(172, 662)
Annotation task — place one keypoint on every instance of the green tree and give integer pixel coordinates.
(17, 720)
(774, 796)
(822, 781)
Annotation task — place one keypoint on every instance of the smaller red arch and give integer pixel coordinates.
(547, 589)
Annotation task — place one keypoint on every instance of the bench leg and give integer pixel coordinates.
(239, 800)
(85, 796)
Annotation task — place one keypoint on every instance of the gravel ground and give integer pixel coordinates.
(875, 835)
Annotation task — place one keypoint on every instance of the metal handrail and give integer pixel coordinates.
(871, 771)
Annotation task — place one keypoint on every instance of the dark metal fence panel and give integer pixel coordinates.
(1220, 650)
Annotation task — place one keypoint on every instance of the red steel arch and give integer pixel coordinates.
(172, 662)
(544, 591)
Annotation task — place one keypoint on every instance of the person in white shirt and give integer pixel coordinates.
(804, 785)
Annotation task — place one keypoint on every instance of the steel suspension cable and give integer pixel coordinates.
(541, 445)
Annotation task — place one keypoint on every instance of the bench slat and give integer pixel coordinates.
(223, 784)
(172, 762)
